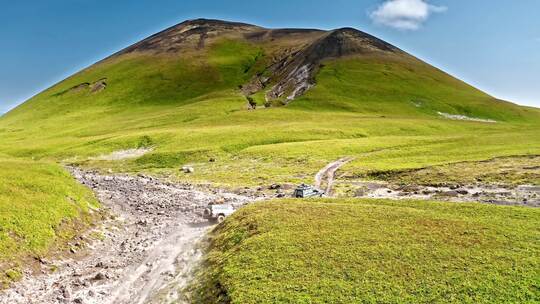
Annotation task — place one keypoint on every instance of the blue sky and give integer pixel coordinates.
(494, 45)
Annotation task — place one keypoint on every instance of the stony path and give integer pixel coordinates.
(147, 251)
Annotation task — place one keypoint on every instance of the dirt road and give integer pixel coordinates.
(145, 252)
(325, 177)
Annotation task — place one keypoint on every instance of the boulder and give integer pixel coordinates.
(274, 187)
(188, 169)
(99, 276)
(451, 193)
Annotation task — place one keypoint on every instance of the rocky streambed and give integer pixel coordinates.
(523, 195)
(146, 252)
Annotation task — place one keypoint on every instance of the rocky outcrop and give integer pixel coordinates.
(98, 86)
(93, 87)
(293, 73)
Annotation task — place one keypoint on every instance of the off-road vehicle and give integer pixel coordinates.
(304, 191)
(218, 212)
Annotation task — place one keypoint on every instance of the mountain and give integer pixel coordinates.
(257, 111)
(210, 87)
(202, 56)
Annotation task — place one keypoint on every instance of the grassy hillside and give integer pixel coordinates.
(381, 109)
(361, 251)
(184, 94)
(41, 207)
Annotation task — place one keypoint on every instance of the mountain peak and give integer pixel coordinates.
(355, 41)
(214, 23)
(195, 34)
(190, 34)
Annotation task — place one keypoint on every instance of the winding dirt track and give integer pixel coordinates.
(148, 247)
(327, 174)
(148, 250)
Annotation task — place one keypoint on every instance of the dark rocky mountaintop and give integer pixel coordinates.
(296, 53)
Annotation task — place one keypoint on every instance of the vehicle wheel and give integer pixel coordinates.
(220, 218)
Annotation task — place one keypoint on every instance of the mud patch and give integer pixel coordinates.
(124, 154)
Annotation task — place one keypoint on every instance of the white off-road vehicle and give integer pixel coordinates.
(218, 212)
(305, 191)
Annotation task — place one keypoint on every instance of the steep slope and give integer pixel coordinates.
(199, 57)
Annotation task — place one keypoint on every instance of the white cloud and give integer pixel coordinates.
(404, 14)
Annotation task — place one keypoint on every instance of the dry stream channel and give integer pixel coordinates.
(152, 239)
(147, 251)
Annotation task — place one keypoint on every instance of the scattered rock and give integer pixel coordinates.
(66, 293)
(495, 194)
(188, 169)
(142, 222)
(274, 187)
(142, 218)
(42, 260)
(99, 276)
(451, 193)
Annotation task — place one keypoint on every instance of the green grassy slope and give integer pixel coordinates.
(361, 251)
(40, 206)
(402, 87)
(188, 107)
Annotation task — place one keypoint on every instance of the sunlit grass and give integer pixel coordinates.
(40, 205)
(362, 251)
(187, 107)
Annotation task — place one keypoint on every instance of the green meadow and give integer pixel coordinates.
(371, 251)
(41, 207)
(383, 110)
